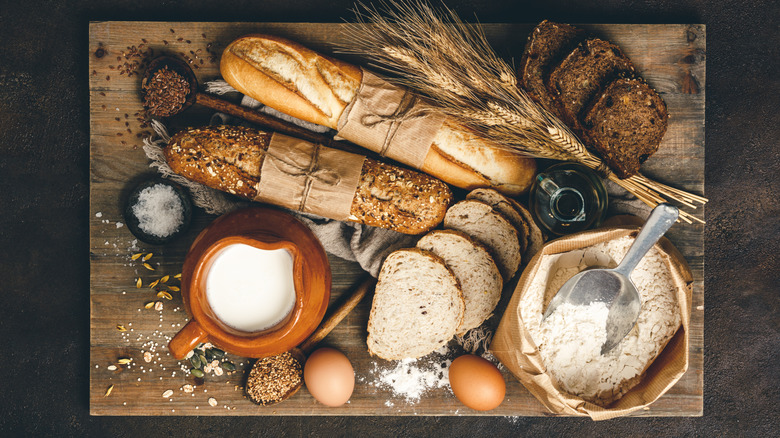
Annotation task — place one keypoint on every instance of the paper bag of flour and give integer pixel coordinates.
(559, 260)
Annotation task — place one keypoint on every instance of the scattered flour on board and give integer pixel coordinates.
(411, 378)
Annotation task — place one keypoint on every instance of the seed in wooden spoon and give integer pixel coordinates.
(272, 378)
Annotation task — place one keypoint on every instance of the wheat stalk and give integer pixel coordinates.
(451, 63)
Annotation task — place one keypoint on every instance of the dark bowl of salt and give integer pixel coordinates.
(158, 211)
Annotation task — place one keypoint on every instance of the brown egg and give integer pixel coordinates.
(329, 376)
(477, 383)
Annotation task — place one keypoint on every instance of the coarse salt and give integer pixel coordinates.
(159, 210)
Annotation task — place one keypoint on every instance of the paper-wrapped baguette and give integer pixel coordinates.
(297, 81)
(236, 160)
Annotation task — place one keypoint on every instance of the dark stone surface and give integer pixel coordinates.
(44, 183)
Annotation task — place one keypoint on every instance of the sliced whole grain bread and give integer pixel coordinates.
(546, 45)
(417, 308)
(535, 236)
(625, 124)
(503, 205)
(581, 74)
(475, 270)
(490, 228)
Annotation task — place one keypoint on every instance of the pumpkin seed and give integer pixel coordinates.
(209, 355)
(138, 283)
(195, 361)
(203, 359)
(124, 360)
(165, 279)
(163, 294)
(108, 391)
(149, 305)
(135, 256)
(147, 256)
(217, 352)
(121, 328)
(174, 288)
(228, 366)
(197, 373)
(148, 266)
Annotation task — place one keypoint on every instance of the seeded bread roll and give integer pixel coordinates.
(490, 228)
(230, 158)
(300, 82)
(625, 124)
(475, 270)
(417, 307)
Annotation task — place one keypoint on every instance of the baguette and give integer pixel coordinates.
(299, 82)
(230, 159)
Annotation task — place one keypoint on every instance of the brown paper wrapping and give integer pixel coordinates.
(390, 120)
(515, 347)
(309, 177)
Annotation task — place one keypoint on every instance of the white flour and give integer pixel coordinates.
(411, 378)
(570, 340)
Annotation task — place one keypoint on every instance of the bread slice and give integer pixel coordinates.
(535, 236)
(417, 308)
(490, 228)
(504, 206)
(625, 124)
(474, 268)
(546, 45)
(582, 73)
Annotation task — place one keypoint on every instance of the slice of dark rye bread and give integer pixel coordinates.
(546, 45)
(582, 73)
(625, 124)
(418, 305)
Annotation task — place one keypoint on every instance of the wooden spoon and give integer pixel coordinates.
(284, 368)
(197, 97)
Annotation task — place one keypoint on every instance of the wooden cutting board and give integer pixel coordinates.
(671, 57)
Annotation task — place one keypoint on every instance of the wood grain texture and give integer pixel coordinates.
(670, 57)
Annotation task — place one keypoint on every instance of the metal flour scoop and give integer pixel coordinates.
(614, 286)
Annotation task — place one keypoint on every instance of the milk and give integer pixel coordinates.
(251, 289)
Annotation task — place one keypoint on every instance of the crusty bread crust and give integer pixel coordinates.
(457, 156)
(229, 158)
(281, 93)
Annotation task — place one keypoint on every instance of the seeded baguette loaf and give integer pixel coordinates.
(417, 306)
(302, 83)
(546, 45)
(230, 158)
(490, 228)
(625, 124)
(475, 270)
(580, 75)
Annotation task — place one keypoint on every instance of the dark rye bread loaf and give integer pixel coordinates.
(546, 45)
(230, 159)
(625, 123)
(580, 75)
